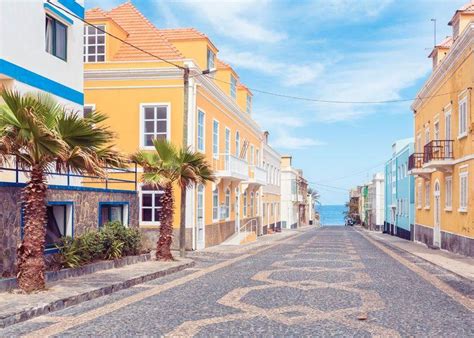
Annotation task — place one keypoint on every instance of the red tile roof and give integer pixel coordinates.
(141, 33)
(183, 34)
(467, 8)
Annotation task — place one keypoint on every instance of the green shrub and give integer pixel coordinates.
(111, 242)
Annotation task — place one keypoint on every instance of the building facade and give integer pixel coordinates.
(443, 162)
(143, 97)
(48, 59)
(271, 191)
(294, 191)
(375, 203)
(399, 191)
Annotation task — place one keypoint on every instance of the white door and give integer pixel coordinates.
(437, 217)
(200, 237)
(394, 221)
(447, 134)
(227, 149)
(237, 209)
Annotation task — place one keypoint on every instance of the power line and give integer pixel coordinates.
(300, 98)
(116, 37)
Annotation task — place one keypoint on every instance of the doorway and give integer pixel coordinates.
(200, 236)
(237, 210)
(437, 217)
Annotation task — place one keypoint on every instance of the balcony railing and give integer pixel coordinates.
(257, 175)
(114, 179)
(438, 150)
(231, 167)
(415, 161)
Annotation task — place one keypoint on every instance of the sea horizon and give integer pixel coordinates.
(331, 214)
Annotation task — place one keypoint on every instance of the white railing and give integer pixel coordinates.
(257, 175)
(249, 226)
(227, 165)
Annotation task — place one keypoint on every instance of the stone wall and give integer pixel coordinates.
(86, 215)
(423, 235)
(150, 238)
(217, 233)
(457, 244)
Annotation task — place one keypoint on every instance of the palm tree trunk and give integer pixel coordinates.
(31, 264)
(182, 224)
(163, 247)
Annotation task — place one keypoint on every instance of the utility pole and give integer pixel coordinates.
(182, 224)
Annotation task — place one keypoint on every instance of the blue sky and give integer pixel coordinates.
(349, 50)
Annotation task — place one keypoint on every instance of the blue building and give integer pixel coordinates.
(399, 192)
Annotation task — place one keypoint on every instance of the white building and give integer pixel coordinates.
(41, 48)
(271, 191)
(376, 202)
(294, 189)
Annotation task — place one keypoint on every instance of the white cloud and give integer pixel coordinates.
(232, 19)
(350, 10)
(284, 140)
(288, 74)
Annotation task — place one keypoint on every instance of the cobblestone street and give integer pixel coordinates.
(332, 281)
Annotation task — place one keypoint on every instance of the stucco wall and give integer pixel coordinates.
(86, 216)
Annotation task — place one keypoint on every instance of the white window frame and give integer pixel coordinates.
(96, 45)
(448, 199)
(463, 123)
(427, 195)
(153, 206)
(211, 59)
(249, 103)
(215, 206)
(448, 134)
(252, 156)
(142, 121)
(201, 138)
(233, 86)
(244, 209)
(436, 130)
(215, 145)
(227, 203)
(237, 144)
(463, 191)
(228, 142)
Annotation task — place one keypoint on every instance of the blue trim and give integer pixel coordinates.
(58, 13)
(74, 7)
(65, 187)
(35, 80)
(114, 203)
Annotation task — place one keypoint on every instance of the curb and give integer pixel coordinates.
(63, 303)
(390, 245)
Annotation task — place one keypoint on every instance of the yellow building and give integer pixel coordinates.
(444, 150)
(143, 97)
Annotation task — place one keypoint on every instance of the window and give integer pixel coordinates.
(427, 194)
(272, 209)
(436, 131)
(94, 43)
(449, 193)
(201, 132)
(110, 212)
(264, 211)
(252, 154)
(150, 204)
(88, 109)
(227, 203)
(245, 204)
(237, 144)
(56, 38)
(427, 136)
(252, 200)
(447, 125)
(463, 191)
(215, 204)
(249, 103)
(210, 59)
(418, 143)
(233, 87)
(59, 222)
(418, 196)
(215, 139)
(227, 142)
(257, 157)
(155, 123)
(463, 117)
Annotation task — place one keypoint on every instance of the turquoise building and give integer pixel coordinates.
(399, 192)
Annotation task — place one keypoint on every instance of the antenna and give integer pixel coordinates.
(434, 32)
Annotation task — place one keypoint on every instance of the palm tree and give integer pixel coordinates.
(43, 137)
(164, 167)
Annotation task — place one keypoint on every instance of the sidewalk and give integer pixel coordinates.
(15, 307)
(458, 264)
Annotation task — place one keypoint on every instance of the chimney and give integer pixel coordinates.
(265, 136)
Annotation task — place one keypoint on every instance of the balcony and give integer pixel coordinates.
(230, 168)
(438, 155)
(415, 161)
(257, 175)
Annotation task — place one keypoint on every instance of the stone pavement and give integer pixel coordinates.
(16, 307)
(458, 264)
(332, 281)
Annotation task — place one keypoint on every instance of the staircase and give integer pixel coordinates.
(247, 234)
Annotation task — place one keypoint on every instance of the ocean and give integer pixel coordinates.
(331, 214)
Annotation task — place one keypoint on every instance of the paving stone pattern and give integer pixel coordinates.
(324, 282)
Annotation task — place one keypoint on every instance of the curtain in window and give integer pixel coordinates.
(53, 233)
(61, 38)
(49, 35)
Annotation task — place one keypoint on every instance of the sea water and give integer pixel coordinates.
(331, 214)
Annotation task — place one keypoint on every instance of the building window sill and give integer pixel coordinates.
(427, 208)
(419, 207)
(462, 210)
(448, 209)
(461, 136)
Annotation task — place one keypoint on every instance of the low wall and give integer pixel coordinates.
(449, 241)
(86, 215)
(150, 238)
(217, 233)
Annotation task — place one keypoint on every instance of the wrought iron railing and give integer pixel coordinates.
(438, 150)
(415, 161)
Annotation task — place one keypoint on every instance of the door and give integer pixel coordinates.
(200, 238)
(394, 223)
(437, 217)
(237, 210)
(447, 134)
(227, 149)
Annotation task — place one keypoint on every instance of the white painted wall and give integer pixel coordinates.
(22, 31)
